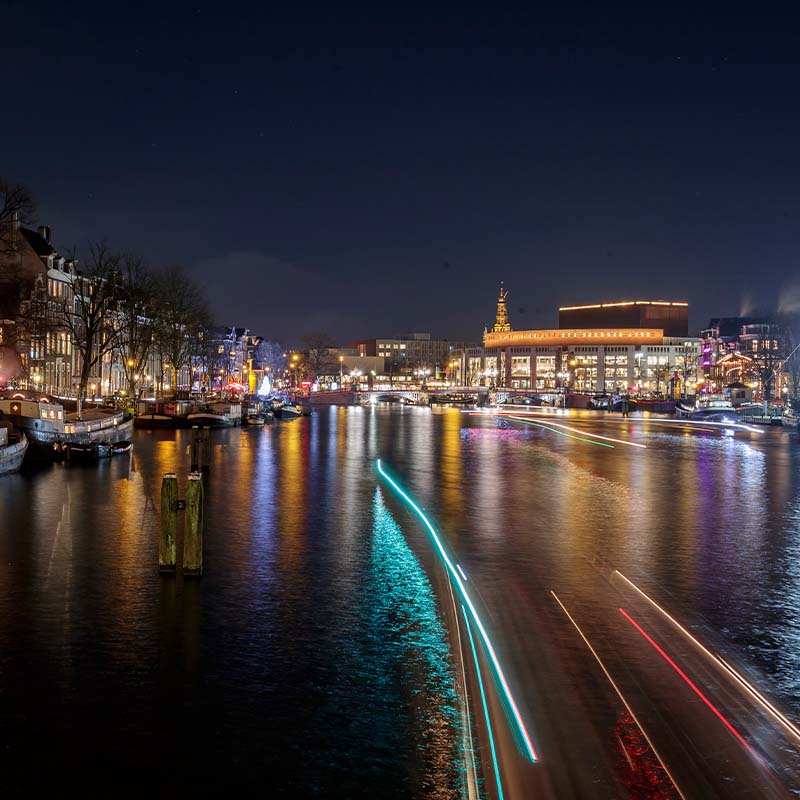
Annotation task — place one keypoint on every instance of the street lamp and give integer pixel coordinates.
(341, 368)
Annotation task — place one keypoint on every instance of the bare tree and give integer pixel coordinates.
(17, 208)
(91, 316)
(769, 357)
(182, 314)
(206, 356)
(137, 313)
(317, 348)
(270, 355)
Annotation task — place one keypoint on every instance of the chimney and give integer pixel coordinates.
(44, 232)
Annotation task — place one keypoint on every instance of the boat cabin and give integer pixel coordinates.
(51, 414)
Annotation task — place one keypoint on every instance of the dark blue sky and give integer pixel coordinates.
(371, 173)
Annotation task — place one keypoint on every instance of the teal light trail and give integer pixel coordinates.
(516, 721)
(560, 433)
(485, 706)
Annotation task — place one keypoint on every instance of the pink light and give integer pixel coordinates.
(690, 683)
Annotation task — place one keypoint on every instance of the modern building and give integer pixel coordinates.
(669, 316)
(616, 356)
(410, 353)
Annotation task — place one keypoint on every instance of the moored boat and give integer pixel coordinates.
(13, 447)
(286, 411)
(789, 418)
(162, 414)
(91, 451)
(48, 426)
(217, 415)
(712, 410)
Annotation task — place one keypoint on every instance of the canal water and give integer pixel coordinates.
(312, 659)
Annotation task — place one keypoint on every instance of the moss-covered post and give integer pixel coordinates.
(193, 527)
(169, 523)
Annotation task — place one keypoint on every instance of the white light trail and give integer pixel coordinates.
(748, 687)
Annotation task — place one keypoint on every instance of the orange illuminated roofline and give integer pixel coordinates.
(574, 336)
(624, 303)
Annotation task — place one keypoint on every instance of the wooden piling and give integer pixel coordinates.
(193, 527)
(169, 523)
(200, 448)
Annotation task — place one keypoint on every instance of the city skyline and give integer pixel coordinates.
(366, 176)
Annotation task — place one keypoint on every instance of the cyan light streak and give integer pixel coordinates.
(516, 722)
(485, 706)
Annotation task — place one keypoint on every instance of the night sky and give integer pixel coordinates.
(366, 174)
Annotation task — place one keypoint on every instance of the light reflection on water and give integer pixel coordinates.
(311, 654)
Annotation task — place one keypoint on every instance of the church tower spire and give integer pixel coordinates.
(501, 324)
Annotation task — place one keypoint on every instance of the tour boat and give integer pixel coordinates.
(46, 425)
(13, 447)
(789, 418)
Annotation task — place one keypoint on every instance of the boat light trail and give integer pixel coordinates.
(518, 724)
(617, 690)
(748, 687)
(546, 427)
(689, 682)
(470, 778)
(463, 574)
(578, 430)
(485, 706)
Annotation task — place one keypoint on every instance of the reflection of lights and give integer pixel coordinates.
(485, 706)
(518, 723)
(689, 682)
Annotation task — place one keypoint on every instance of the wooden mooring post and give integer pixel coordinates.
(169, 523)
(200, 448)
(193, 527)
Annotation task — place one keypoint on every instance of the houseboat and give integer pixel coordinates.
(47, 426)
(162, 414)
(13, 447)
(216, 415)
(712, 409)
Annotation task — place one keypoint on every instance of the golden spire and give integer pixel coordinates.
(501, 324)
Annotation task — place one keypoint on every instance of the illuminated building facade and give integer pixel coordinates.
(749, 351)
(409, 352)
(608, 357)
